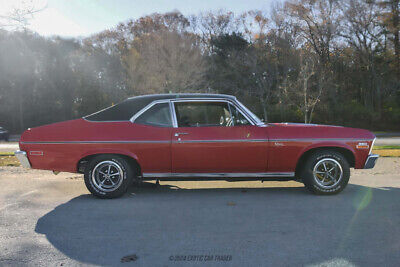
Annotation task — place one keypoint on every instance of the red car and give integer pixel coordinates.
(194, 137)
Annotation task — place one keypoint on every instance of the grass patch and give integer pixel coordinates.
(387, 152)
(6, 154)
(9, 160)
(386, 147)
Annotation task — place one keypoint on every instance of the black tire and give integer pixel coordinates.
(120, 165)
(314, 183)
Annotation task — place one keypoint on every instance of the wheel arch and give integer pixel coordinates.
(131, 159)
(347, 153)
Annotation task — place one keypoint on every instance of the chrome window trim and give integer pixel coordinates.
(103, 121)
(257, 121)
(212, 175)
(173, 113)
(234, 103)
(230, 113)
(253, 119)
(84, 117)
(155, 102)
(247, 113)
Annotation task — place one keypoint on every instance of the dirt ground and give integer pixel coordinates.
(53, 220)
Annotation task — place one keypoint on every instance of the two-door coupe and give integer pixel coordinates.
(194, 137)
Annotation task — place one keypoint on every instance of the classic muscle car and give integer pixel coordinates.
(194, 137)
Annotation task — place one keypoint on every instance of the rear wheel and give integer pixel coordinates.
(108, 176)
(326, 172)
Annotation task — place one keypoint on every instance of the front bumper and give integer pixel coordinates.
(23, 159)
(371, 161)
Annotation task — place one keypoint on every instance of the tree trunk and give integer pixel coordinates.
(264, 106)
(20, 111)
(396, 39)
(305, 85)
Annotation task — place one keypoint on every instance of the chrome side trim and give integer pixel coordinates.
(36, 153)
(98, 142)
(318, 139)
(371, 161)
(222, 141)
(218, 175)
(197, 141)
(23, 158)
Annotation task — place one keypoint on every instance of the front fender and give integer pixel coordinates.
(330, 144)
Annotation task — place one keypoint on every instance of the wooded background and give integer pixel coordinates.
(320, 61)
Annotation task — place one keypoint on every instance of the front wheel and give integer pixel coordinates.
(108, 176)
(326, 172)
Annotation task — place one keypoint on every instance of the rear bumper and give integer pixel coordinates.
(371, 160)
(23, 158)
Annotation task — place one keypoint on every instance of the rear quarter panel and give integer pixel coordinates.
(63, 144)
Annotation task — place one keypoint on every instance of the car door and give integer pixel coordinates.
(214, 136)
(151, 137)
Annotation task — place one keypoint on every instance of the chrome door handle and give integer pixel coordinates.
(178, 134)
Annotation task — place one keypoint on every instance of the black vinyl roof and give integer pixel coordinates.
(126, 109)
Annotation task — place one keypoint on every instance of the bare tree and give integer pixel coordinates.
(17, 14)
(210, 24)
(361, 30)
(165, 62)
(317, 24)
(390, 18)
(307, 88)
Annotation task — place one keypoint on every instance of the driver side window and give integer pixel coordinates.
(202, 114)
(208, 114)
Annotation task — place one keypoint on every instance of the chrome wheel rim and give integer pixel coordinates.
(327, 173)
(107, 176)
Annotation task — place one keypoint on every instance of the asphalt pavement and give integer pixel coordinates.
(384, 141)
(53, 220)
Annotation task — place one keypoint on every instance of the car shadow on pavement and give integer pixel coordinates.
(255, 226)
